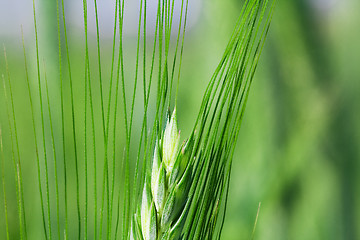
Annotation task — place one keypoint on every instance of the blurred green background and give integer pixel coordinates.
(299, 148)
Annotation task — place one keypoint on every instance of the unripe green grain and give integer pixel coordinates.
(163, 201)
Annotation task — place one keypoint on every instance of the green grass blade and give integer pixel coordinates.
(42, 125)
(62, 117)
(4, 189)
(256, 220)
(94, 154)
(22, 203)
(119, 69)
(128, 139)
(88, 83)
(54, 154)
(35, 138)
(99, 63)
(108, 120)
(106, 136)
(102, 104)
(144, 121)
(181, 50)
(18, 197)
(73, 121)
(126, 199)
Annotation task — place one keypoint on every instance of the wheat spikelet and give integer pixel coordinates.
(165, 191)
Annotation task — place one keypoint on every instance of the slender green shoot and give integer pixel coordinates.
(62, 117)
(42, 125)
(4, 188)
(54, 152)
(256, 220)
(22, 215)
(35, 138)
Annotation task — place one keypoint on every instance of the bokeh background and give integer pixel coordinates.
(299, 148)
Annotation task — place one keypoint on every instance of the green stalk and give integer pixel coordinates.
(35, 138)
(4, 189)
(94, 153)
(88, 78)
(17, 145)
(54, 153)
(42, 125)
(101, 99)
(146, 105)
(106, 137)
(88, 82)
(128, 132)
(18, 197)
(73, 122)
(62, 118)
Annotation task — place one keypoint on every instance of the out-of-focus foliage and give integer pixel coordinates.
(298, 152)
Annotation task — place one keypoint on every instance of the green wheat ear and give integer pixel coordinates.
(163, 201)
(184, 193)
